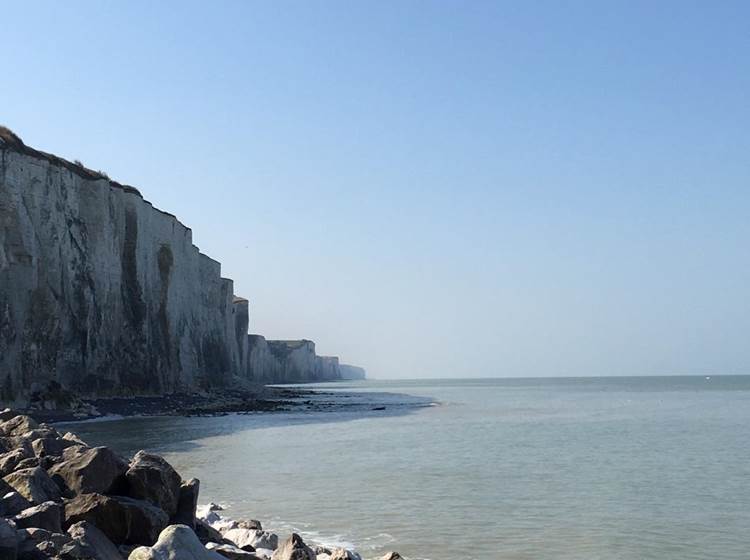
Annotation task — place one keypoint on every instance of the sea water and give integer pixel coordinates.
(577, 468)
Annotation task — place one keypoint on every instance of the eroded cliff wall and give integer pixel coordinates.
(101, 292)
(288, 361)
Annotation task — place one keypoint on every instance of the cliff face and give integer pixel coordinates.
(101, 292)
(351, 372)
(288, 361)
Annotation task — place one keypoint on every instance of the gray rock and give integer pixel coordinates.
(343, 554)
(7, 414)
(253, 524)
(256, 539)
(18, 425)
(123, 520)
(86, 471)
(176, 542)
(151, 478)
(70, 436)
(391, 556)
(293, 548)
(13, 503)
(73, 451)
(53, 445)
(8, 540)
(9, 461)
(187, 503)
(43, 431)
(232, 552)
(28, 463)
(34, 484)
(226, 525)
(206, 533)
(210, 517)
(94, 541)
(40, 544)
(47, 515)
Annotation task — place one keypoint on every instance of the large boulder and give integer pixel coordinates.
(34, 484)
(187, 503)
(256, 539)
(293, 548)
(50, 445)
(18, 425)
(10, 443)
(8, 540)
(176, 542)
(123, 520)
(86, 471)
(94, 541)
(151, 478)
(12, 502)
(45, 516)
(9, 461)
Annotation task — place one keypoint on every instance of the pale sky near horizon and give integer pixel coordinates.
(428, 189)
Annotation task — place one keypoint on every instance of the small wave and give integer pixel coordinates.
(105, 418)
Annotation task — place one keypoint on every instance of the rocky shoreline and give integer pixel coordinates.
(237, 400)
(65, 500)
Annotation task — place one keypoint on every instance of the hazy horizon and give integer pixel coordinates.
(429, 190)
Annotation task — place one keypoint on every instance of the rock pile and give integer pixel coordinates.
(64, 500)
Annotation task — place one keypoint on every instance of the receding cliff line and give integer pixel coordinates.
(105, 295)
(288, 361)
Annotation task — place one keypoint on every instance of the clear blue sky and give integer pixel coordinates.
(428, 188)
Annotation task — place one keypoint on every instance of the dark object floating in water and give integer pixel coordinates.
(379, 408)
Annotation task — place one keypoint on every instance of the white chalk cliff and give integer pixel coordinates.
(288, 361)
(104, 294)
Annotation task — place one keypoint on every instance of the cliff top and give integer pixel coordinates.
(11, 140)
(291, 343)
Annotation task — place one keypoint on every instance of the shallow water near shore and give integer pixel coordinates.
(521, 469)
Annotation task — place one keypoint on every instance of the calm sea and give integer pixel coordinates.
(578, 469)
